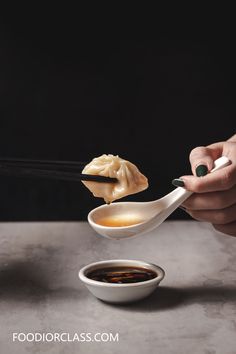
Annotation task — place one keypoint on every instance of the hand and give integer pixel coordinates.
(214, 198)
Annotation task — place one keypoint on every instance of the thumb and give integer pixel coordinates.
(202, 161)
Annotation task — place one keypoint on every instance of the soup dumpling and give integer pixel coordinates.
(130, 179)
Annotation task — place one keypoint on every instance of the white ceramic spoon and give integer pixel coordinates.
(144, 216)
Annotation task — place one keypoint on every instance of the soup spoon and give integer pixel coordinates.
(126, 219)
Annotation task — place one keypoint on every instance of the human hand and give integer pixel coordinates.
(214, 198)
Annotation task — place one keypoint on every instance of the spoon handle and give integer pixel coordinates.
(180, 194)
(223, 161)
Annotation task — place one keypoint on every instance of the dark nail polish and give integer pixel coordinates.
(177, 182)
(201, 170)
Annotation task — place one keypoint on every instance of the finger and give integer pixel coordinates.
(217, 181)
(229, 229)
(211, 200)
(229, 150)
(202, 160)
(204, 156)
(218, 217)
(232, 138)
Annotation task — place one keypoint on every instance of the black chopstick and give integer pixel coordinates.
(40, 163)
(12, 169)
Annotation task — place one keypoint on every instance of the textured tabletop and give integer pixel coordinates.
(192, 311)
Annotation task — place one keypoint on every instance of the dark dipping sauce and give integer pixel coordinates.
(122, 275)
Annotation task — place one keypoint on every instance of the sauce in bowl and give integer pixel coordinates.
(122, 275)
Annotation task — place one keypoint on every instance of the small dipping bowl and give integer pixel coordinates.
(125, 292)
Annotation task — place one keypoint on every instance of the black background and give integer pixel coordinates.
(73, 92)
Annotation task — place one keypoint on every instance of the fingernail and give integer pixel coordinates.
(177, 182)
(201, 170)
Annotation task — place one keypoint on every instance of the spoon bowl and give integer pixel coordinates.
(127, 219)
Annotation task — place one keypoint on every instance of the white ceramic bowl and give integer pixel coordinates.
(121, 293)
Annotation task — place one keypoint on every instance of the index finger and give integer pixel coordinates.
(216, 181)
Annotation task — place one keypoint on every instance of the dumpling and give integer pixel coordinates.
(130, 179)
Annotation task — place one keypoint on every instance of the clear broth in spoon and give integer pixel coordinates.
(119, 221)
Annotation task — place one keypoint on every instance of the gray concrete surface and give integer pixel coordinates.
(193, 310)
